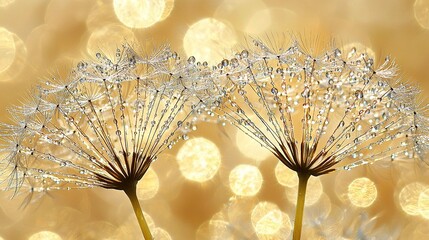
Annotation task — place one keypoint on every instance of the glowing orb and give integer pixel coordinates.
(108, 37)
(421, 13)
(362, 192)
(7, 49)
(148, 186)
(215, 229)
(209, 40)
(45, 235)
(423, 203)
(4, 3)
(137, 13)
(285, 176)
(250, 148)
(199, 159)
(245, 180)
(161, 234)
(169, 5)
(267, 219)
(409, 197)
(314, 191)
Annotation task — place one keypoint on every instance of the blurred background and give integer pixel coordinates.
(217, 184)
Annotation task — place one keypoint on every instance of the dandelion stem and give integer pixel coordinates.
(300, 202)
(132, 195)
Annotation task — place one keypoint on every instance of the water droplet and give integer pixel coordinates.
(274, 91)
(191, 60)
(225, 62)
(306, 92)
(98, 55)
(118, 133)
(179, 124)
(359, 94)
(244, 54)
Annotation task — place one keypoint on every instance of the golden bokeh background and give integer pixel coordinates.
(217, 184)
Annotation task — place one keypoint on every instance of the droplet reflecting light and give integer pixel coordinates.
(245, 180)
(139, 14)
(199, 159)
(362, 192)
(267, 219)
(423, 203)
(209, 40)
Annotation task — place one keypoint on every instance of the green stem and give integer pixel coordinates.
(300, 202)
(132, 195)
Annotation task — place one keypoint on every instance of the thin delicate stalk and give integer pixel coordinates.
(132, 195)
(300, 202)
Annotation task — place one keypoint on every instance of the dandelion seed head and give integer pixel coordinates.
(103, 123)
(321, 111)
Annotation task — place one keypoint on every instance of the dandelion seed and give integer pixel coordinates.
(102, 125)
(322, 112)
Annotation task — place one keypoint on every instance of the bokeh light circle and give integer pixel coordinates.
(313, 193)
(199, 159)
(409, 197)
(7, 49)
(107, 38)
(245, 180)
(209, 40)
(161, 234)
(137, 13)
(285, 176)
(250, 148)
(362, 192)
(45, 235)
(421, 13)
(423, 203)
(148, 186)
(267, 219)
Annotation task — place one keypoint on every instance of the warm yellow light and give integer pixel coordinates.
(7, 49)
(245, 180)
(4, 3)
(169, 5)
(45, 235)
(209, 40)
(215, 229)
(267, 219)
(239, 12)
(107, 38)
(409, 198)
(423, 203)
(421, 13)
(285, 176)
(265, 19)
(354, 49)
(137, 13)
(314, 191)
(161, 234)
(148, 186)
(250, 148)
(199, 159)
(362, 192)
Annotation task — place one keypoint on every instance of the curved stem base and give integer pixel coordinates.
(132, 195)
